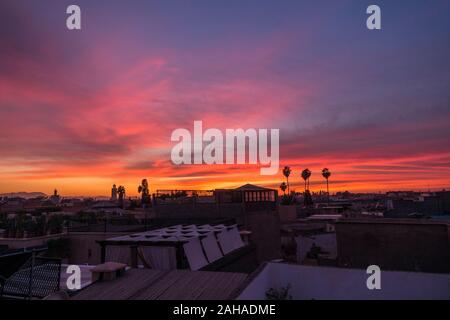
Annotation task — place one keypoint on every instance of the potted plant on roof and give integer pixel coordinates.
(279, 293)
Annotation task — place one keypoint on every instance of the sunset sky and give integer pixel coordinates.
(81, 110)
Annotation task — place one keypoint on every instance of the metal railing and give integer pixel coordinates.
(36, 278)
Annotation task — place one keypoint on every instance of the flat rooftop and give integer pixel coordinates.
(329, 283)
(145, 284)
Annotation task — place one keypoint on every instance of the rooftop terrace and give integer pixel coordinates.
(145, 284)
(325, 283)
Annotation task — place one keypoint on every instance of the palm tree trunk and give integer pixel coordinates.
(287, 179)
(328, 194)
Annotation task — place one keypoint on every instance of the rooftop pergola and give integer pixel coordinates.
(246, 193)
(174, 237)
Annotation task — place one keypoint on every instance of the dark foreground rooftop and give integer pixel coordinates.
(145, 284)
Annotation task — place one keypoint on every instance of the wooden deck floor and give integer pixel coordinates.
(145, 284)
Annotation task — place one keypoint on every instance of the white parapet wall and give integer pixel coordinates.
(325, 283)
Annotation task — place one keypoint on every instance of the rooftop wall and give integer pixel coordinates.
(394, 245)
(324, 283)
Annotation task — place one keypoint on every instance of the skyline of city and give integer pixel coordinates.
(296, 187)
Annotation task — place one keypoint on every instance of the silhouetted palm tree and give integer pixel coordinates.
(283, 187)
(305, 175)
(121, 192)
(286, 172)
(326, 174)
(143, 188)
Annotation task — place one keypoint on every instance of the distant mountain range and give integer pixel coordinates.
(25, 195)
(31, 195)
